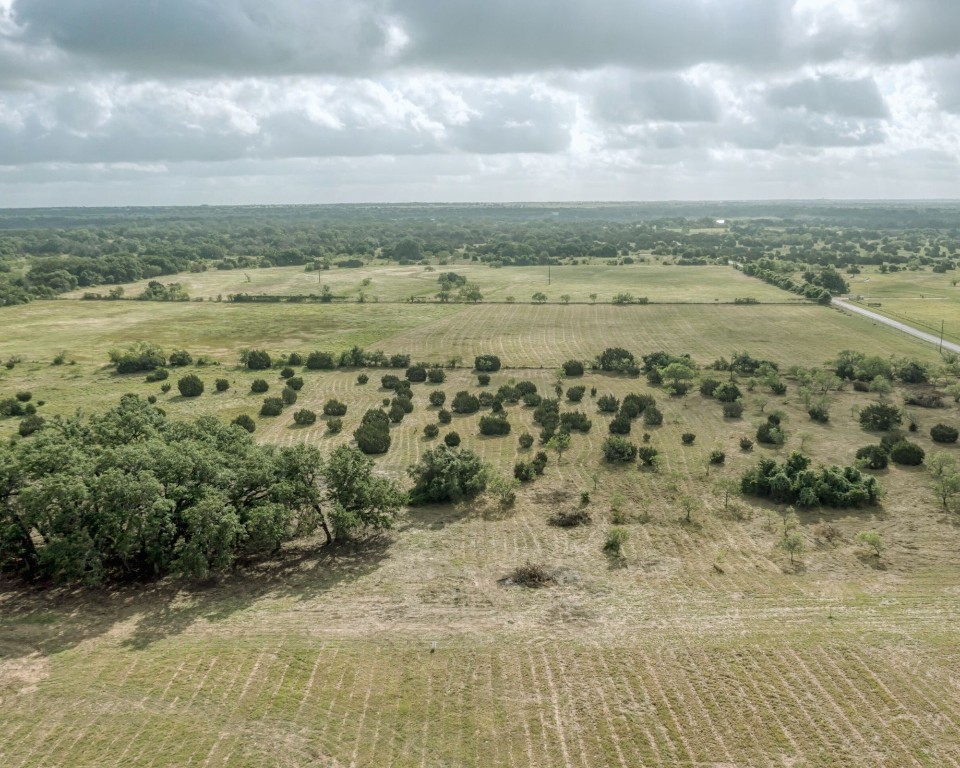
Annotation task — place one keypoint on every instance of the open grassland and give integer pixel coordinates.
(523, 335)
(703, 645)
(922, 299)
(660, 283)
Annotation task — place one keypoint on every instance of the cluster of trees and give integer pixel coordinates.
(130, 494)
(794, 482)
(807, 290)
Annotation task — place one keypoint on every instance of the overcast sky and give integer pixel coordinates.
(116, 102)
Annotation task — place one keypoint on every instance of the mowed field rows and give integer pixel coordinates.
(303, 701)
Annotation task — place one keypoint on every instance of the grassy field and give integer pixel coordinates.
(658, 282)
(923, 299)
(703, 646)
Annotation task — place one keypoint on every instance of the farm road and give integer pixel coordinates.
(932, 338)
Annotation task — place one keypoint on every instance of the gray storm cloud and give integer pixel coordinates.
(578, 97)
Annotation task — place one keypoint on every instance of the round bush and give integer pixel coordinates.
(222, 385)
(295, 383)
(286, 373)
(30, 425)
(494, 425)
(259, 386)
(362, 378)
(746, 444)
(295, 359)
(873, 456)
(417, 374)
(619, 450)
(180, 357)
(373, 434)
(708, 387)
(451, 439)
(620, 425)
(733, 410)
(258, 360)
(24, 397)
(334, 426)
(464, 402)
(438, 398)
(687, 438)
(289, 396)
(907, 453)
(431, 431)
(483, 379)
(487, 363)
(152, 399)
(245, 422)
(165, 388)
(573, 368)
(717, 456)
(436, 376)
(942, 433)
(652, 417)
(575, 394)
(304, 417)
(190, 385)
(272, 406)
(158, 375)
(444, 416)
(525, 440)
(334, 408)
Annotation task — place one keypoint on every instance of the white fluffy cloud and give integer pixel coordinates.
(114, 101)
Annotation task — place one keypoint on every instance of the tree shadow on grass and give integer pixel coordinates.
(53, 619)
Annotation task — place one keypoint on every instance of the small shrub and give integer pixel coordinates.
(190, 385)
(573, 368)
(942, 433)
(259, 386)
(483, 379)
(321, 361)
(295, 383)
(289, 396)
(373, 434)
(304, 417)
(708, 387)
(286, 373)
(652, 417)
(152, 399)
(733, 410)
(436, 375)
(494, 425)
(444, 416)
(295, 358)
(362, 379)
(575, 394)
(416, 374)
(31, 424)
(222, 385)
(451, 439)
(687, 438)
(464, 402)
(525, 440)
(826, 532)
(272, 406)
(616, 538)
(608, 404)
(531, 575)
(746, 444)
(618, 450)
(873, 457)
(727, 392)
(24, 397)
(438, 398)
(778, 388)
(165, 388)
(334, 408)
(819, 414)
(880, 417)
(245, 422)
(334, 426)
(160, 374)
(769, 434)
(647, 455)
(431, 431)
(487, 363)
(620, 426)
(531, 399)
